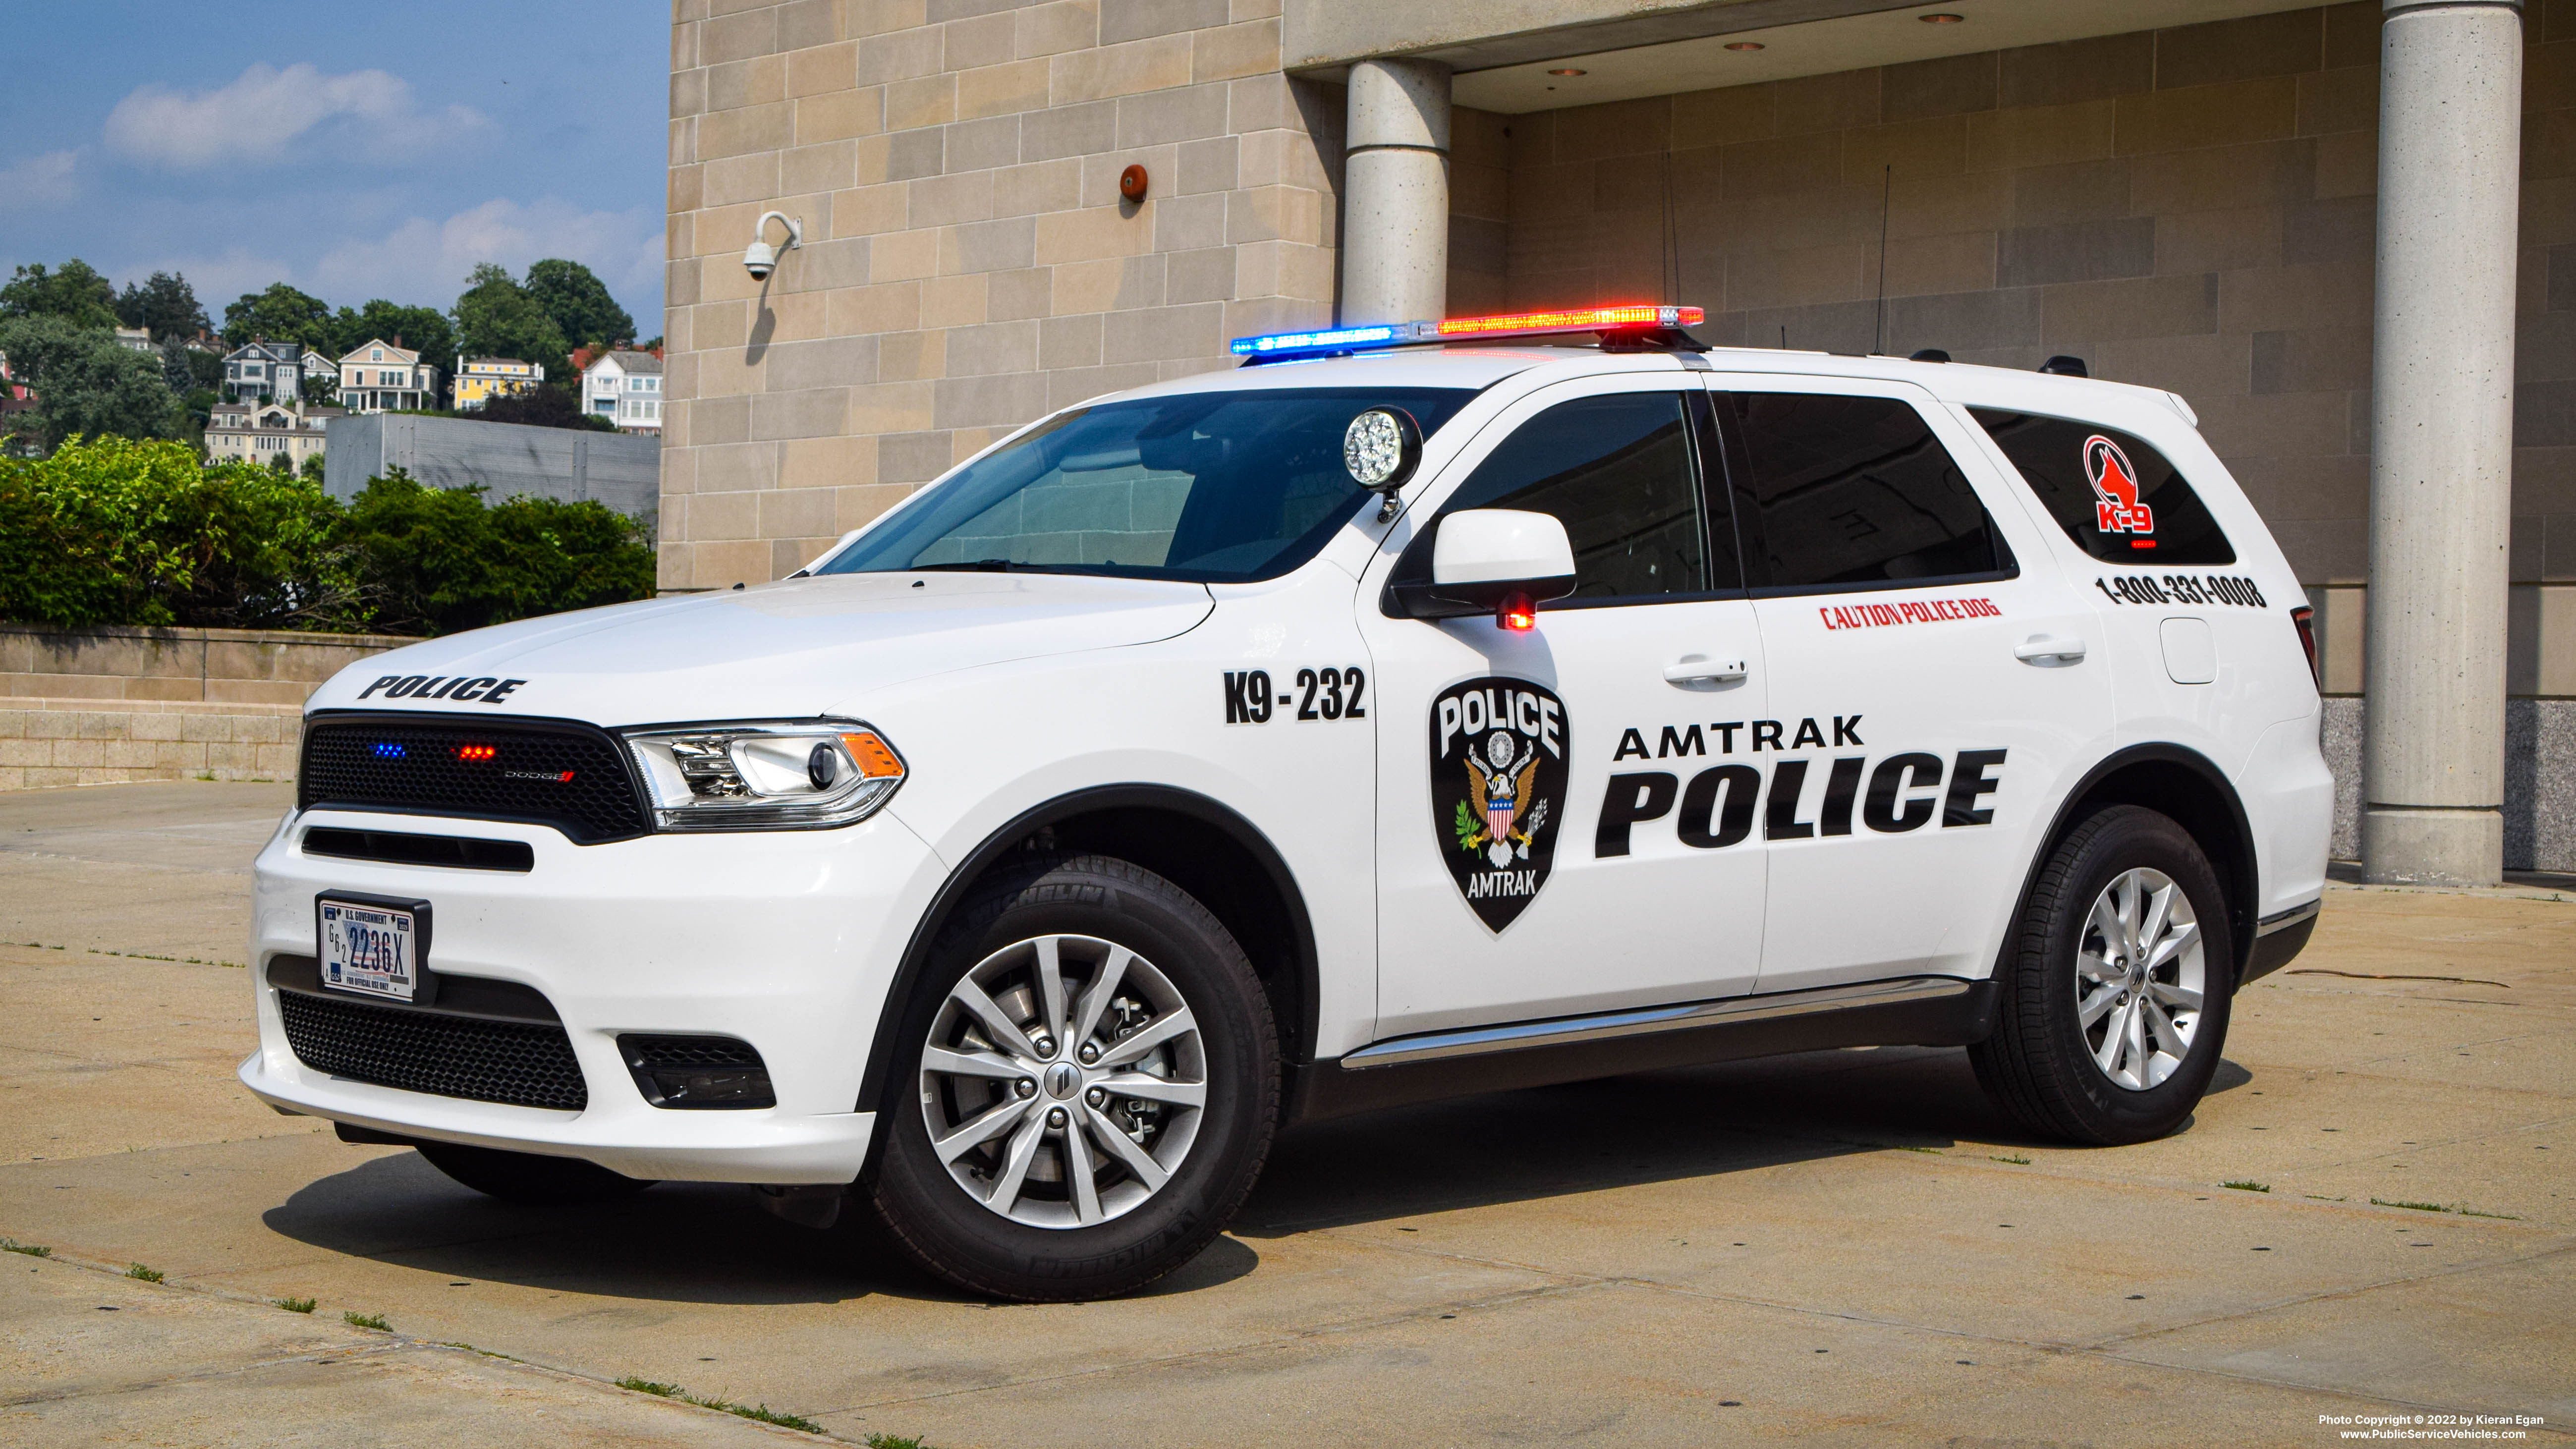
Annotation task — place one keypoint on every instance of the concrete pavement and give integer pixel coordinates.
(1842, 1247)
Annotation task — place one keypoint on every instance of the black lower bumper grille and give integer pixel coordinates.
(524, 1064)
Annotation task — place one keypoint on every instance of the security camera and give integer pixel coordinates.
(760, 258)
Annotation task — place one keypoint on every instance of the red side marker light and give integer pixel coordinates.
(474, 754)
(1517, 613)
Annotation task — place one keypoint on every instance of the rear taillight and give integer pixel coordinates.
(2304, 619)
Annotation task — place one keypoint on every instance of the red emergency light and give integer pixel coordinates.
(1579, 319)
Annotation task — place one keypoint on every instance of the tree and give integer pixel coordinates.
(166, 306)
(579, 304)
(280, 314)
(86, 383)
(77, 294)
(187, 369)
(546, 405)
(424, 330)
(497, 318)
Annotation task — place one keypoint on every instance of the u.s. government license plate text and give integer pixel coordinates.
(371, 950)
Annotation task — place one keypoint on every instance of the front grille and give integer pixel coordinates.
(521, 1063)
(573, 779)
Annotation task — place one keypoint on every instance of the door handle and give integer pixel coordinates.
(2049, 652)
(1699, 668)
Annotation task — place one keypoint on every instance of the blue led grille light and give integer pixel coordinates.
(388, 750)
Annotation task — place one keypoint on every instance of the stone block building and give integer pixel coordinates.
(2188, 194)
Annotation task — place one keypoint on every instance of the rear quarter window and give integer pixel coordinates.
(2112, 492)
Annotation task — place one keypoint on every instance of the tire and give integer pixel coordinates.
(2060, 1075)
(528, 1177)
(1041, 1111)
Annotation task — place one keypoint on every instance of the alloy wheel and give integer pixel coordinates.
(2139, 979)
(1063, 1081)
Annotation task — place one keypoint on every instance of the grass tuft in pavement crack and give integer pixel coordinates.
(294, 1305)
(2016, 1160)
(761, 1412)
(32, 1250)
(893, 1441)
(375, 1321)
(2247, 1184)
(148, 1275)
(2434, 1207)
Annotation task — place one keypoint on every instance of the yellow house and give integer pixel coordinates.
(485, 378)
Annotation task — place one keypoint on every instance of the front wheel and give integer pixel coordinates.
(1090, 1081)
(2115, 986)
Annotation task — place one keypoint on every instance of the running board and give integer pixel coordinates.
(1565, 1031)
(1909, 1010)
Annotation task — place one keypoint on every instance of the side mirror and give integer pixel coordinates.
(1503, 559)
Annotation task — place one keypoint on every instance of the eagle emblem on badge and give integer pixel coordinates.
(1499, 786)
(1498, 770)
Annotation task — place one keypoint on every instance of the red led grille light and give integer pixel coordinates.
(1581, 319)
(472, 754)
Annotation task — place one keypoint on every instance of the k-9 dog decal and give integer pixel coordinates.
(1498, 750)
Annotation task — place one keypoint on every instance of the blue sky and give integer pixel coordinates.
(355, 152)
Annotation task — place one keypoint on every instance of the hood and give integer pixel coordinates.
(792, 649)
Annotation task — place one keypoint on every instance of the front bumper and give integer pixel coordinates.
(787, 940)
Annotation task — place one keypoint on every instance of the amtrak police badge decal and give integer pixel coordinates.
(1498, 750)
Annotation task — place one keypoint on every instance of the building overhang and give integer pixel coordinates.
(1503, 51)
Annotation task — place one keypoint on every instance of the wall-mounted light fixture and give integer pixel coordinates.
(760, 258)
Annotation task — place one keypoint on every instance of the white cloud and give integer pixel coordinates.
(46, 180)
(423, 259)
(371, 113)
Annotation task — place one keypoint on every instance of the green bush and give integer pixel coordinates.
(118, 531)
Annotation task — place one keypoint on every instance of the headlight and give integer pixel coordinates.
(783, 776)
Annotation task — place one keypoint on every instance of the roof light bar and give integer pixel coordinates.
(1580, 319)
(1281, 345)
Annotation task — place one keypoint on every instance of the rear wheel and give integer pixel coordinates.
(2116, 986)
(1088, 1090)
(528, 1177)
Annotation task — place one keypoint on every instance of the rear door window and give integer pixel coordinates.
(2112, 492)
(1837, 492)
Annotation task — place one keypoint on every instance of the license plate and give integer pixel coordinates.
(369, 950)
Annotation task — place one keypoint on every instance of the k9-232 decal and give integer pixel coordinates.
(1329, 693)
(1498, 750)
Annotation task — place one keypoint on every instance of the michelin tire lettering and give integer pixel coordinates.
(1498, 773)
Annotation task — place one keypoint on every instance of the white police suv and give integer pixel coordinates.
(1424, 710)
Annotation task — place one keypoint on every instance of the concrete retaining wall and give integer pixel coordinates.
(234, 666)
(103, 706)
(99, 742)
(622, 470)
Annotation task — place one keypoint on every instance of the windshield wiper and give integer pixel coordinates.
(979, 566)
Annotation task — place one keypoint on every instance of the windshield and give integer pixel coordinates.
(1211, 487)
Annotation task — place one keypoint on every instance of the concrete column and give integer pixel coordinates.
(2441, 472)
(1395, 193)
